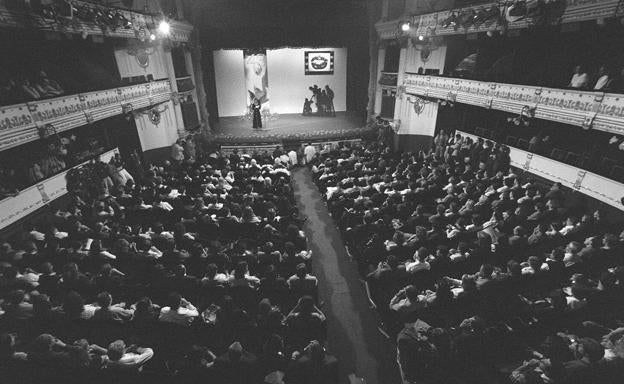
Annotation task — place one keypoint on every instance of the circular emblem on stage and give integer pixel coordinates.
(319, 62)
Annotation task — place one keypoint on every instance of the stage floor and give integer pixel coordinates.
(291, 127)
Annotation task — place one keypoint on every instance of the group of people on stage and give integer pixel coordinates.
(324, 100)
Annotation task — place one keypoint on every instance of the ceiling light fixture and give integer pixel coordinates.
(164, 28)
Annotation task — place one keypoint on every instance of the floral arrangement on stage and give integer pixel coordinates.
(263, 137)
(266, 115)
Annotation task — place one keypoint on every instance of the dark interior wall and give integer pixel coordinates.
(78, 64)
(287, 23)
(541, 56)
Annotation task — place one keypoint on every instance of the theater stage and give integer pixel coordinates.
(291, 128)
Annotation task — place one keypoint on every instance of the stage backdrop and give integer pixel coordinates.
(287, 81)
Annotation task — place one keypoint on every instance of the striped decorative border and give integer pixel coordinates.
(310, 54)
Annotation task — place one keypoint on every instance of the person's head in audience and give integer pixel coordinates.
(174, 301)
(392, 261)
(235, 351)
(241, 270)
(411, 292)
(116, 350)
(104, 300)
(573, 247)
(588, 349)
(144, 309)
(73, 305)
(609, 241)
(179, 271)
(211, 270)
(443, 291)
(274, 346)
(535, 263)
(301, 271)
(42, 345)
(42, 307)
(468, 283)
(486, 271)
(514, 269)
(557, 254)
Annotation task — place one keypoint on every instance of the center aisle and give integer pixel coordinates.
(352, 326)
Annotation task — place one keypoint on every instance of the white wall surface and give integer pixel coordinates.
(230, 82)
(288, 83)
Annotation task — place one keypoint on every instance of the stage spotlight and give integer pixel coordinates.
(152, 37)
(164, 27)
(405, 27)
(421, 37)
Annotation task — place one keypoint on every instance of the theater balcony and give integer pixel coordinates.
(506, 67)
(23, 123)
(87, 19)
(493, 16)
(587, 109)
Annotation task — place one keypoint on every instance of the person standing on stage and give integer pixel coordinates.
(316, 93)
(307, 107)
(330, 101)
(255, 109)
(322, 103)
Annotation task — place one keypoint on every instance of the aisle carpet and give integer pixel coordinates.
(352, 325)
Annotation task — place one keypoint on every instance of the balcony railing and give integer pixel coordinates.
(587, 109)
(31, 199)
(595, 186)
(438, 23)
(22, 123)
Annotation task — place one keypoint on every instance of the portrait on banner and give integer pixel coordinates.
(256, 78)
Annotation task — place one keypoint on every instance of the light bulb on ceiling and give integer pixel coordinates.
(164, 27)
(405, 27)
(421, 37)
(152, 37)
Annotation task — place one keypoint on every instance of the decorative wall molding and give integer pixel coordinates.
(22, 123)
(437, 23)
(39, 195)
(25, 18)
(587, 109)
(595, 186)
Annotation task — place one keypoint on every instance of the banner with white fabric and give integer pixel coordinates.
(142, 61)
(256, 77)
(157, 131)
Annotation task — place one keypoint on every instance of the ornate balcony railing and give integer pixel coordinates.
(587, 109)
(595, 186)
(22, 123)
